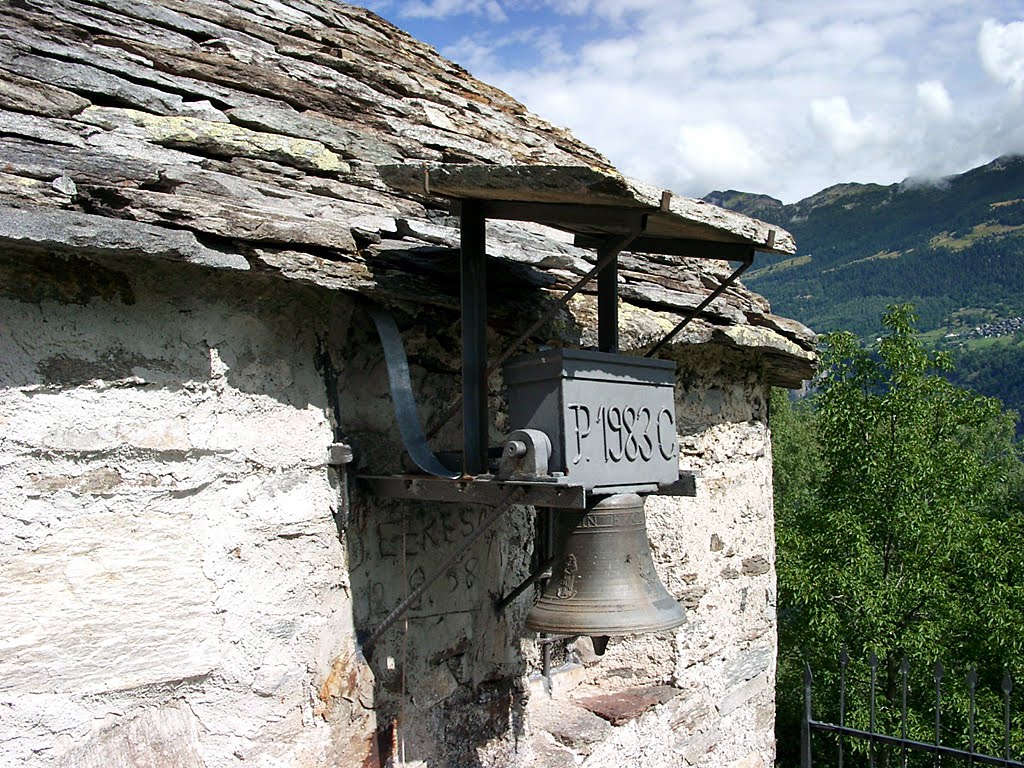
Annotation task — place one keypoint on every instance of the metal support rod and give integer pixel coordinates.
(938, 709)
(533, 578)
(406, 413)
(615, 246)
(805, 726)
(972, 688)
(473, 273)
(873, 666)
(545, 664)
(844, 662)
(447, 563)
(549, 551)
(918, 746)
(608, 301)
(700, 307)
(1007, 690)
(904, 671)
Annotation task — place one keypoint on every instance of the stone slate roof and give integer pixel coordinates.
(247, 135)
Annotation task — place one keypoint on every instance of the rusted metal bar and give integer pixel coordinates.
(700, 307)
(400, 609)
(475, 491)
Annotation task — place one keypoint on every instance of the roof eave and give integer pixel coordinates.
(592, 203)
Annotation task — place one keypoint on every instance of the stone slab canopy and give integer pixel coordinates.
(569, 192)
(250, 136)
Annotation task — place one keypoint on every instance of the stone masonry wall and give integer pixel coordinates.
(182, 576)
(173, 588)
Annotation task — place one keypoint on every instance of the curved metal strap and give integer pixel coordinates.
(408, 417)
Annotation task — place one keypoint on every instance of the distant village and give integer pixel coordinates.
(1005, 327)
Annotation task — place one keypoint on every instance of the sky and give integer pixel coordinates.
(781, 98)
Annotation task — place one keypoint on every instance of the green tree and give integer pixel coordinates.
(899, 528)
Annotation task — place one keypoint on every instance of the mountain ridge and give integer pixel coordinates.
(950, 245)
(954, 247)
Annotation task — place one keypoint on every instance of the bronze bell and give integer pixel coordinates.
(604, 582)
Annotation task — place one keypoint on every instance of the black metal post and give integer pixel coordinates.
(805, 726)
(844, 662)
(1007, 690)
(548, 550)
(608, 301)
(904, 671)
(938, 711)
(536, 575)
(473, 274)
(611, 252)
(873, 665)
(972, 688)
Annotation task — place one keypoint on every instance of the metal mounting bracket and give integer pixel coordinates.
(406, 413)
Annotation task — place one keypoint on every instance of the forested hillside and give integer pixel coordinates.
(954, 248)
(898, 500)
(947, 246)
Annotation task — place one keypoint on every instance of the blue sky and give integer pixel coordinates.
(782, 98)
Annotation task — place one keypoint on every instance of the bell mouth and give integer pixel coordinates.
(604, 583)
(593, 620)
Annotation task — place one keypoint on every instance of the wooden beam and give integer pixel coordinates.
(609, 219)
(696, 249)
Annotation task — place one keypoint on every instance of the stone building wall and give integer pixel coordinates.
(192, 219)
(183, 575)
(174, 589)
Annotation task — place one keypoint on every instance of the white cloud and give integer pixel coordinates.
(440, 9)
(783, 98)
(717, 151)
(610, 10)
(1001, 47)
(616, 56)
(472, 54)
(833, 119)
(483, 53)
(935, 100)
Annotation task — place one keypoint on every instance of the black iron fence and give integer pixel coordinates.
(873, 747)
